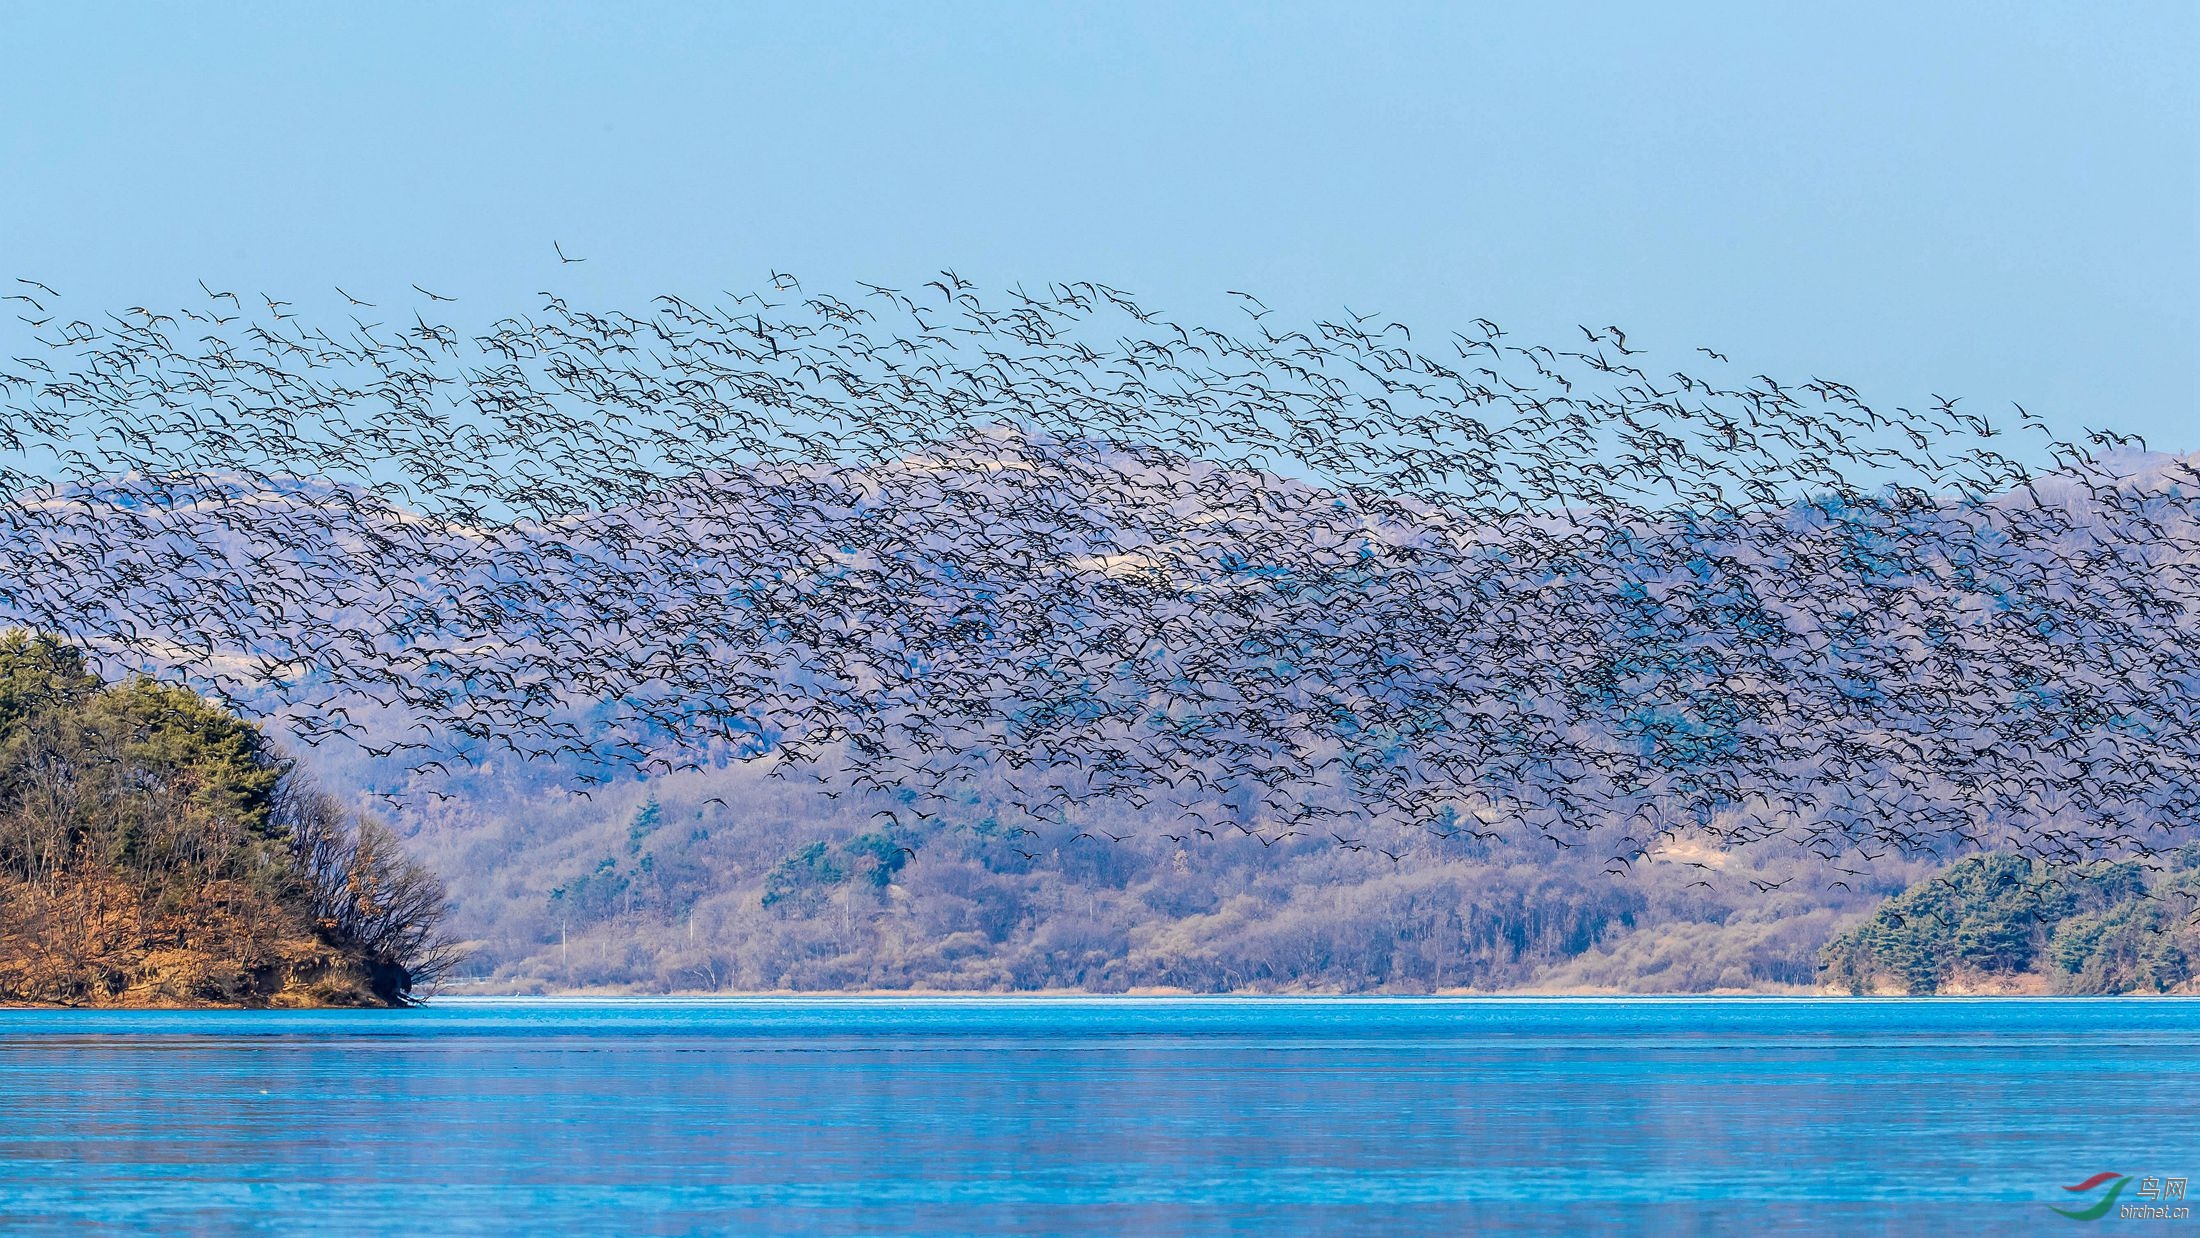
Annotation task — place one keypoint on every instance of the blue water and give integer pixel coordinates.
(1123, 1116)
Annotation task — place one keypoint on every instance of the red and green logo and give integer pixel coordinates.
(2099, 1208)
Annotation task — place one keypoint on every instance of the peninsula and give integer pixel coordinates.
(156, 850)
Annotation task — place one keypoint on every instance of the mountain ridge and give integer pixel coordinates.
(902, 563)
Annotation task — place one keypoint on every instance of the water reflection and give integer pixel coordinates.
(960, 1116)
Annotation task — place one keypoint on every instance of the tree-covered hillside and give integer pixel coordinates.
(155, 850)
(1801, 771)
(1998, 923)
(731, 880)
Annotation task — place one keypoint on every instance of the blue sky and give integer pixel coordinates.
(2001, 201)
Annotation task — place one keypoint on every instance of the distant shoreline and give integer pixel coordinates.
(1160, 995)
(1089, 995)
(889, 996)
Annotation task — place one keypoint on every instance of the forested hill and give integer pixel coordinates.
(155, 851)
(1797, 713)
(729, 880)
(1995, 924)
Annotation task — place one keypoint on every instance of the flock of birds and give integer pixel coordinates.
(1342, 584)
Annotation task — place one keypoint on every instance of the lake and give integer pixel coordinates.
(1122, 1115)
